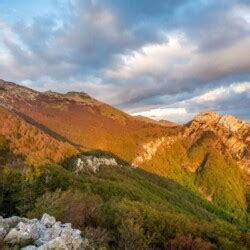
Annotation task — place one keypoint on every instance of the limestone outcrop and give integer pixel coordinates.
(43, 234)
(92, 164)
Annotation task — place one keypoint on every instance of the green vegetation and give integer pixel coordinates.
(4, 146)
(4, 150)
(203, 170)
(121, 208)
(170, 162)
(224, 182)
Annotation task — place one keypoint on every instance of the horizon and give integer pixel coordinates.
(166, 60)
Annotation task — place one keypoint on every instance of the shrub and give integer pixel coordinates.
(81, 209)
(10, 185)
(188, 243)
(4, 146)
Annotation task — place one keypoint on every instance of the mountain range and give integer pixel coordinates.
(208, 157)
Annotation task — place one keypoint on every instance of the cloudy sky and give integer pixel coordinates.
(162, 59)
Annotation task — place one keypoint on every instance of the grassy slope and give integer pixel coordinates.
(224, 181)
(169, 162)
(136, 208)
(215, 176)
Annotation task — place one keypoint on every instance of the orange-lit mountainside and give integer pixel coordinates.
(209, 157)
(81, 120)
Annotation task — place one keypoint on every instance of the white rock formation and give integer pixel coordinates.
(23, 234)
(48, 221)
(92, 164)
(149, 149)
(44, 234)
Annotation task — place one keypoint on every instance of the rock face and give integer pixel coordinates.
(150, 149)
(41, 234)
(227, 122)
(21, 93)
(92, 164)
(232, 135)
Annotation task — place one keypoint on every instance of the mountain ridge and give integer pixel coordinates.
(20, 100)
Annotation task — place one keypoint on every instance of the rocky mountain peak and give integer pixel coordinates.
(207, 117)
(51, 93)
(77, 94)
(10, 91)
(80, 97)
(228, 122)
(232, 135)
(232, 123)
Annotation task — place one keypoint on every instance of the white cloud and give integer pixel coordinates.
(222, 92)
(241, 12)
(212, 95)
(162, 113)
(177, 66)
(241, 87)
(153, 59)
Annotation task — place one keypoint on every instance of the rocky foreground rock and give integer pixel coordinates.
(44, 234)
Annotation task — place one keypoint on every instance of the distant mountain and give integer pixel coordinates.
(167, 123)
(160, 122)
(209, 155)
